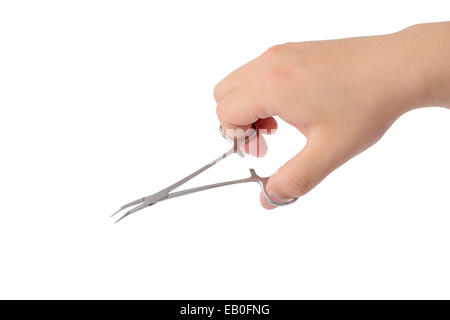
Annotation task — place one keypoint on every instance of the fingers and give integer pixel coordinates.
(255, 100)
(250, 104)
(267, 125)
(237, 78)
(258, 147)
(302, 173)
(250, 71)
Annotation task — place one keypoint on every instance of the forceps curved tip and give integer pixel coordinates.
(140, 207)
(130, 204)
(141, 203)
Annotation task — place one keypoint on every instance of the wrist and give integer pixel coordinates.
(428, 47)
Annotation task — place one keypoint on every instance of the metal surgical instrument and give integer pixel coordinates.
(167, 193)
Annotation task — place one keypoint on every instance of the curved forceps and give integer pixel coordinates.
(166, 193)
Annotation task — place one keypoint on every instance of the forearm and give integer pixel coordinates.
(430, 44)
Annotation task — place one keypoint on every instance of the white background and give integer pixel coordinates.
(102, 102)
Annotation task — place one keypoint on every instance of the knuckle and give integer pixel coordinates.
(277, 74)
(299, 185)
(219, 112)
(277, 50)
(217, 92)
(274, 50)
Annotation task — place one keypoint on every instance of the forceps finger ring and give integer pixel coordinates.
(166, 193)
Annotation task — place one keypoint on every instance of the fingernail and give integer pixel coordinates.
(275, 197)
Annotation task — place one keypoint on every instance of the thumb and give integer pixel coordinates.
(301, 173)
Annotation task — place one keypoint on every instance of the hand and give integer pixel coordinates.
(341, 94)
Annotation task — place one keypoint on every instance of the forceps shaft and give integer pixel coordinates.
(202, 169)
(234, 149)
(253, 178)
(164, 193)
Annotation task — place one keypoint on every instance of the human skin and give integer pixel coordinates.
(342, 95)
